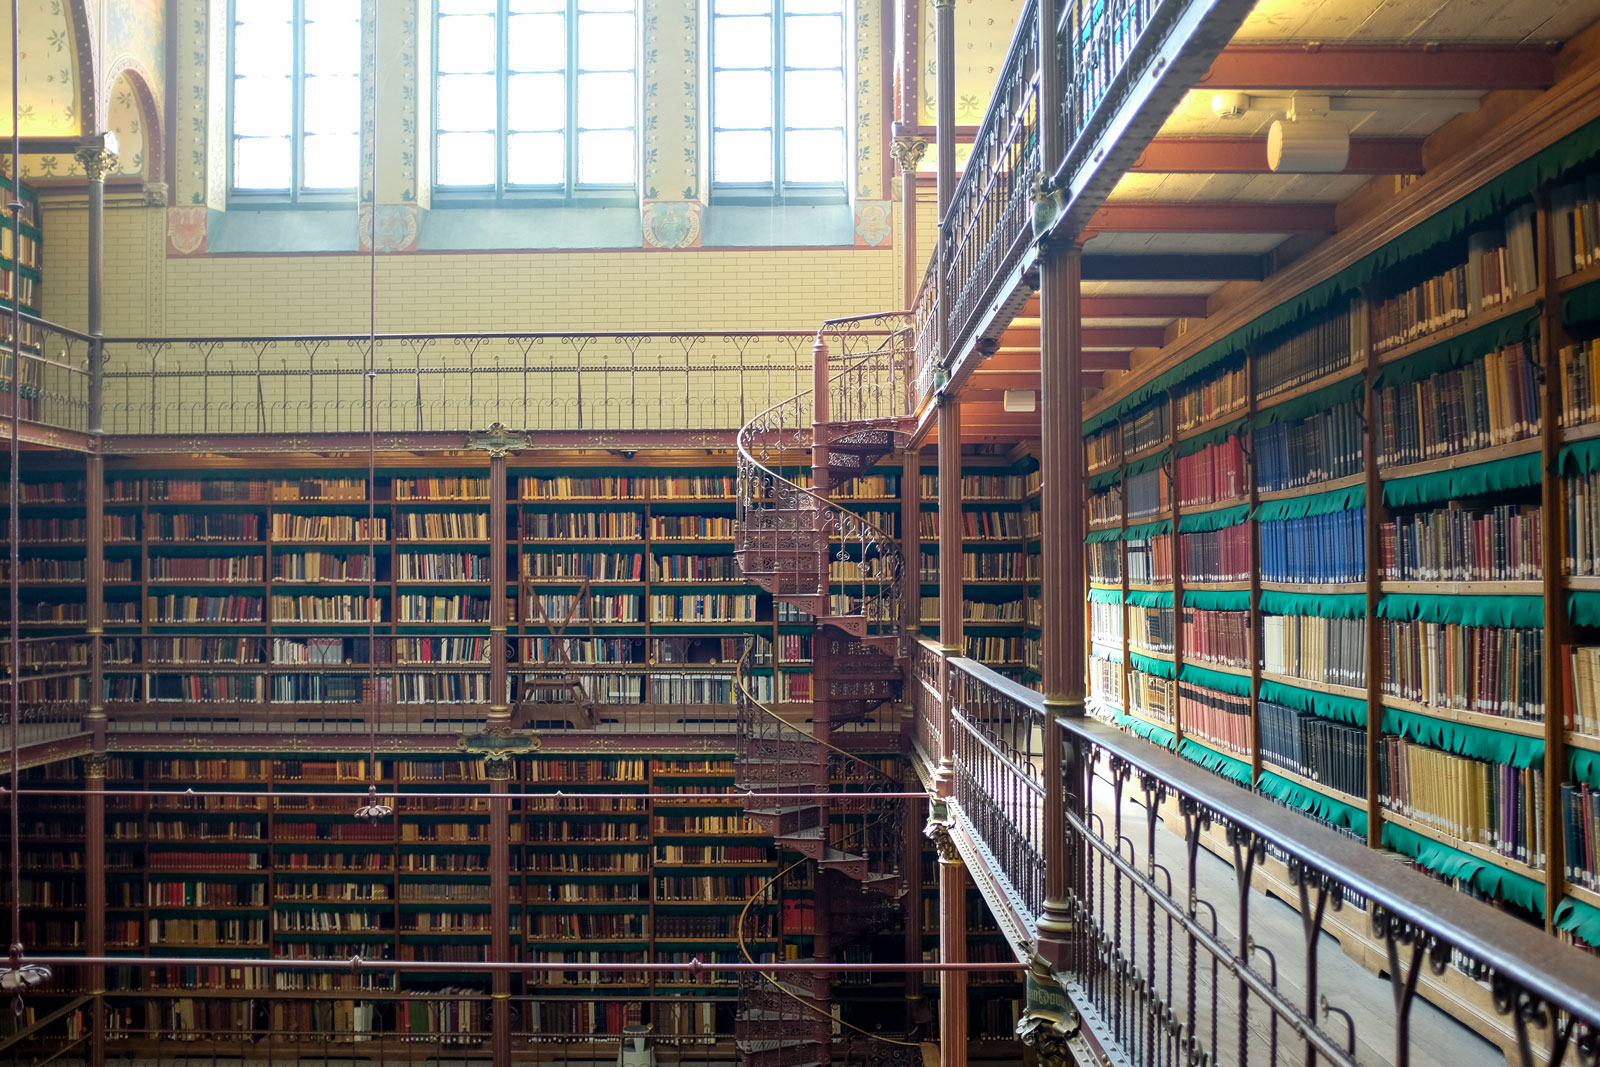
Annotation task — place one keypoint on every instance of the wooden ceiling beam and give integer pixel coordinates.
(1143, 307)
(1239, 216)
(1106, 267)
(1421, 67)
(1116, 337)
(1248, 155)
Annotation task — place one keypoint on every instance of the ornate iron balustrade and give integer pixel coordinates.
(55, 376)
(1095, 41)
(1166, 966)
(54, 687)
(999, 766)
(925, 335)
(989, 222)
(926, 665)
(679, 380)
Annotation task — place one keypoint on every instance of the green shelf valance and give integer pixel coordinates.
(1114, 655)
(1459, 350)
(1238, 685)
(1462, 739)
(1581, 305)
(1313, 403)
(1515, 472)
(1097, 536)
(1150, 598)
(1298, 507)
(1212, 437)
(1146, 530)
(1105, 479)
(1217, 599)
(1322, 605)
(1159, 667)
(1453, 863)
(1226, 766)
(1576, 917)
(1147, 730)
(1148, 463)
(1520, 611)
(1487, 201)
(1323, 807)
(1333, 706)
(1580, 457)
(1105, 596)
(1585, 766)
(1202, 521)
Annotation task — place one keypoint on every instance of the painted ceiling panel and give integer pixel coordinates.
(48, 104)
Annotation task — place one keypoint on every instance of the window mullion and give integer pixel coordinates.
(779, 65)
(297, 140)
(570, 135)
(502, 89)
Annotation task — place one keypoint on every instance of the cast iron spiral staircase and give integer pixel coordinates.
(830, 568)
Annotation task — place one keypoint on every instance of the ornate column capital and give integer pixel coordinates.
(944, 5)
(94, 765)
(937, 830)
(1050, 1023)
(97, 160)
(908, 151)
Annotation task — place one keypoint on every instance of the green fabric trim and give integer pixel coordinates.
(1322, 605)
(1582, 305)
(1462, 739)
(1217, 599)
(1149, 529)
(1105, 596)
(1213, 437)
(1147, 730)
(1112, 655)
(1298, 507)
(1202, 521)
(1148, 463)
(1459, 350)
(1105, 479)
(1453, 863)
(1150, 598)
(1158, 667)
(1333, 706)
(1576, 917)
(1226, 766)
(1585, 766)
(1095, 537)
(1581, 457)
(1467, 610)
(1324, 807)
(1314, 403)
(1235, 684)
(1517, 472)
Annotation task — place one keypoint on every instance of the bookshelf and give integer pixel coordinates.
(1386, 616)
(22, 247)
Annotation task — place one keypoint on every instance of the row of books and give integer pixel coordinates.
(1215, 473)
(175, 608)
(1223, 393)
(297, 527)
(1581, 521)
(1332, 753)
(187, 490)
(1490, 670)
(977, 525)
(1105, 562)
(1149, 560)
(353, 566)
(691, 527)
(1491, 401)
(1309, 354)
(994, 649)
(978, 486)
(1152, 697)
(1318, 448)
(1148, 494)
(442, 488)
(442, 526)
(1223, 555)
(1105, 508)
(1220, 718)
(1316, 550)
(1221, 637)
(414, 608)
(1495, 805)
(1581, 708)
(1464, 544)
(1315, 649)
(615, 566)
(1146, 428)
(1102, 449)
(1105, 680)
(1105, 623)
(1580, 818)
(1151, 629)
(1579, 368)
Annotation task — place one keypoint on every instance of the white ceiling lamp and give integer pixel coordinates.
(1306, 140)
(1019, 400)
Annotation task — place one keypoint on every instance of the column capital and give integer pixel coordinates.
(908, 150)
(944, 5)
(94, 766)
(97, 160)
(937, 830)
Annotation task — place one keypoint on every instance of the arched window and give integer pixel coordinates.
(535, 96)
(295, 111)
(777, 95)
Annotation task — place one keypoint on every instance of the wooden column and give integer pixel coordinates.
(911, 612)
(911, 876)
(1063, 583)
(952, 949)
(944, 29)
(499, 702)
(908, 153)
(98, 158)
(911, 540)
(1374, 549)
(94, 898)
(498, 769)
(950, 620)
(94, 510)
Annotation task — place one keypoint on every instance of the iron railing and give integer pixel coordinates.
(1095, 41)
(926, 665)
(1167, 967)
(989, 222)
(925, 335)
(54, 686)
(55, 375)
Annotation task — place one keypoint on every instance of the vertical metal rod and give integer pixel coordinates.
(950, 579)
(12, 490)
(372, 430)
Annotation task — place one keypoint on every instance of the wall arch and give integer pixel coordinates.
(129, 76)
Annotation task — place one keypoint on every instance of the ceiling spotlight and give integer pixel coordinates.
(1230, 105)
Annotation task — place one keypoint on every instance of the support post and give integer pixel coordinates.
(944, 29)
(911, 542)
(499, 697)
(908, 153)
(952, 947)
(950, 582)
(94, 897)
(98, 158)
(498, 768)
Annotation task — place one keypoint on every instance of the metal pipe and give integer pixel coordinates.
(359, 965)
(194, 794)
(13, 496)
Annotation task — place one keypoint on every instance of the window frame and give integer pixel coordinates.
(296, 195)
(502, 193)
(780, 190)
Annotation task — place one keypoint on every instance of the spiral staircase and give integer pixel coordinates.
(832, 569)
